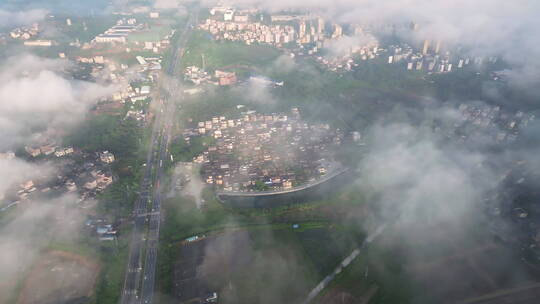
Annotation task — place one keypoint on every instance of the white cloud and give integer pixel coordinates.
(343, 45)
(178, 5)
(34, 93)
(17, 18)
(16, 171)
(166, 4)
(488, 27)
(420, 179)
(24, 237)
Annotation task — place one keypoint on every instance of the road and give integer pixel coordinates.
(325, 178)
(344, 264)
(134, 266)
(139, 279)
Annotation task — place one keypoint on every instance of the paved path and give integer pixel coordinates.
(324, 179)
(344, 264)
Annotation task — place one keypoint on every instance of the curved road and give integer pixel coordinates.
(324, 179)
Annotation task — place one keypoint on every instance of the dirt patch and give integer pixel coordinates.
(468, 273)
(244, 267)
(60, 277)
(337, 296)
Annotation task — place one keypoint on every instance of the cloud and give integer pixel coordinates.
(178, 5)
(436, 192)
(414, 164)
(342, 46)
(35, 94)
(283, 64)
(18, 18)
(30, 227)
(510, 29)
(16, 171)
(232, 257)
(24, 237)
(418, 179)
(257, 90)
(167, 4)
(188, 180)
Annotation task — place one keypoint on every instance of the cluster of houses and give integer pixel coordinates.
(248, 26)
(199, 76)
(311, 35)
(121, 75)
(48, 149)
(134, 84)
(119, 32)
(225, 78)
(432, 59)
(102, 229)
(138, 115)
(196, 75)
(364, 49)
(155, 46)
(149, 63)
(7, 155)
(90, 60)
(25, 33)
(87, 179)
(500, 125)
(251, 33)
(96, 180)
(270, 152)
(307, 32)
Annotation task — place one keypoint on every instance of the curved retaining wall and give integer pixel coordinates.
(319, 189)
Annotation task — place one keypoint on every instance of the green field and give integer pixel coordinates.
(214, 102)
(379, 268)
(156, 30)
(154, 34)
(231, 55)
(83, 29)
(329, 228)
(317, 245)
(114, 259)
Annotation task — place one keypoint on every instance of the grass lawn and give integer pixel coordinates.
(114, 260)
(377, 267)
(226, 54)
(155, 32)
(311, 250)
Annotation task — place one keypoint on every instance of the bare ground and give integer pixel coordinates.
(59, 277)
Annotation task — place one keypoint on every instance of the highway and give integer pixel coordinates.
(132, 279)
(139, 279)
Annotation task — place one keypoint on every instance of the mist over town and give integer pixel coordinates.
(246, 151)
